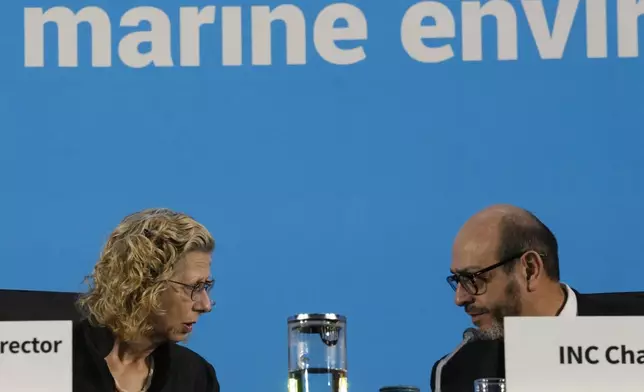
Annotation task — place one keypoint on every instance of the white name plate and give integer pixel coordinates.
(589, 354)
(36, 356)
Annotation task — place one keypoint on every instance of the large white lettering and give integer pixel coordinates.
(429, 33)
(551, 45)
(231, 31)
(412, 31)
(190, 34)
(596, 29)
(295, 26)
(506, 22)
(153, 47)
(67, 22)
(160, 53)
(550, 42)
(628, 13)
(326, 34)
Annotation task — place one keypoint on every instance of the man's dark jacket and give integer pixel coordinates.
(485, 359)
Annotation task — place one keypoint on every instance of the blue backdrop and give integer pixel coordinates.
(328, 187)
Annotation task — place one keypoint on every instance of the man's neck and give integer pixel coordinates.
(550, 303)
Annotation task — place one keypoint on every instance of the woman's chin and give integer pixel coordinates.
(178, 335)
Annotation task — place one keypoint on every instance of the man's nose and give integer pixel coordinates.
(462, 297)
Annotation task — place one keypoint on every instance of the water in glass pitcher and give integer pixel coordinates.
(317, 380)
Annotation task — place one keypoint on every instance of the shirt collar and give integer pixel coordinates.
(570, 307)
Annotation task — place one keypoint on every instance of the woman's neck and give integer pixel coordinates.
(132, 352)
(131, 364)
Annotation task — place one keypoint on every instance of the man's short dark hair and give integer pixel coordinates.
(523, 233)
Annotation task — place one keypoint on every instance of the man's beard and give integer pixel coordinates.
(511, 307)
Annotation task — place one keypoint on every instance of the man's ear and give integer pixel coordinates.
(532, 264)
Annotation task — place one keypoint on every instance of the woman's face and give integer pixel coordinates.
(186, 297)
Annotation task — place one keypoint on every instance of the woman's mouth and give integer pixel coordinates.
(188, 327)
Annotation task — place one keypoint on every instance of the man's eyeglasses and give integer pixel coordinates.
(197, 288)
(472, 282)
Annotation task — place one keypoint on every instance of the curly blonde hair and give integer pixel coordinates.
(139, 256)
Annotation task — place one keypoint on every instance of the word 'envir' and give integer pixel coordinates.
(421, 23)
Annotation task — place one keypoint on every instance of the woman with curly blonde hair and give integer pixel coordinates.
(147, 291)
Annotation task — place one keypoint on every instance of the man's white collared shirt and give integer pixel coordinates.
(570, 308)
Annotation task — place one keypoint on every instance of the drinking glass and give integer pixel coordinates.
(489, 385)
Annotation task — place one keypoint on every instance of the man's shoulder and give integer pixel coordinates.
(611, 304)
(432, 377)
(436, 364)
(476, 359)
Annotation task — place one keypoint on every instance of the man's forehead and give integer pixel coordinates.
(472, 256)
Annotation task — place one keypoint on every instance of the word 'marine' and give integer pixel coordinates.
(615, 355)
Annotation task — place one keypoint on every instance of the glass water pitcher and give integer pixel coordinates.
(317, 353)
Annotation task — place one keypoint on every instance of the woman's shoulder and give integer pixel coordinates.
(185, 357)
(186, 361)
(179, 363)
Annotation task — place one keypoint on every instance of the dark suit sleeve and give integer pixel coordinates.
(212, 384)
(432, 378)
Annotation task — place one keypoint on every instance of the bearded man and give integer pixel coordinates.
(505, 262)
